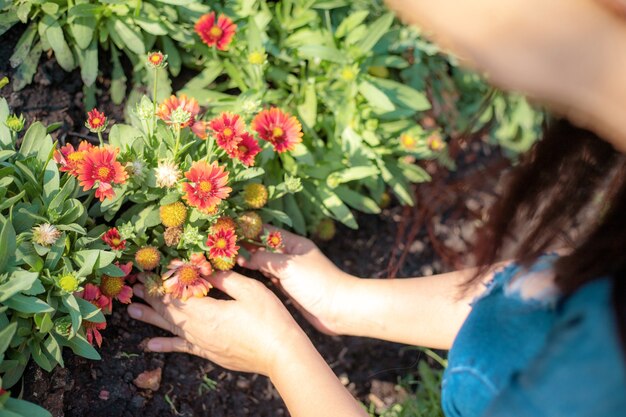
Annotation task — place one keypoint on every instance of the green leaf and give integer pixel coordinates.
(375, 97)
(51, 345)
(89, 311)
(6, 203)
(51, 181)
(7, 245)
(88, 60)
(308, 109)
(294, 213)
(123, 136)
(357, 201)
(85, 10)
(414, 173)
(334, 204)
(82, 29)
(56, 252)
(25, 72)
(19, 280)
(131, 38)
(23, 47)
(59, 45)
(151, 26)
(26, 304)
(248, 174)
(174, 61)
(80, 346)
(277, 215)
(376, 31)
(39, 356)
(70, 301)
(24, 408)
(63, 194)
(6, 335)
(352, 21)
(323, 52)
(118, 78)
(401, 94)
(35, 134)
(395, 179)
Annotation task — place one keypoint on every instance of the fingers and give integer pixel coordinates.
(233, 284)
(170, 344)
(266, 262)
(163, 307)
(146, 314)
(294, 244)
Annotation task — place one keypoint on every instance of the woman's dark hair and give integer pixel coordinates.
(569, 190)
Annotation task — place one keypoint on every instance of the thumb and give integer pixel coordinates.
(267, 262)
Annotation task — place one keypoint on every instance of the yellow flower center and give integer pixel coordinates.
(228, 132)
(277, 132)
(173, 215)
(275, 240)
(148, 258)
(242, 148)
(103, 173)
(205, 186)
(76, 156)
(221, 243)
(116, 241)
(187, 275)
(155, 58)
(407, 141)
(256, 58)
(68, 283)
(215, 32)
(96, 121)
(111, 286)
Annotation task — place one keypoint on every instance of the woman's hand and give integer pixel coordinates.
(248, 333)
(309, 278)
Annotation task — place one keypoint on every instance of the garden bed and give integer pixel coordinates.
(192, 386)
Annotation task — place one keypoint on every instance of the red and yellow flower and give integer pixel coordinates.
(207, 185)
(246, 150)
(70, 158)
(214, 31)
(101, 169)
(115, 288)
(113, 239)
(224, 223)
(273, 240)
(281, 129)
(187, 104)
(96, 121)
(92, 331)
(227, 129)
(222, 244)
(156, 59)
(185, 279)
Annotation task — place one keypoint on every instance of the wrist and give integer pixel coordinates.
(342, 317)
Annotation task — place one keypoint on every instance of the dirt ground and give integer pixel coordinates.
(192, 386)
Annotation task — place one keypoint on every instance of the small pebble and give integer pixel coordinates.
(149, 379)
(104, 395)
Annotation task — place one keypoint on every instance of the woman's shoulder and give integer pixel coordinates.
(581, 371)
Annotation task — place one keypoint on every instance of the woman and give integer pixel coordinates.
(543, 335)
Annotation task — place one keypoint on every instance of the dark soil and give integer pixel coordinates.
(369, 368)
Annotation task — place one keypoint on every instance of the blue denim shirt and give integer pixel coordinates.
(537, 356)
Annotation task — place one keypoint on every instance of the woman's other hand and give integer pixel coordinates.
(248, 333)
(309, 278)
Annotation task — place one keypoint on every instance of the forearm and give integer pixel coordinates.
(308, 385)
(426, 311)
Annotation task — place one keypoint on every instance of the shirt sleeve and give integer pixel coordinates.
(581, 370)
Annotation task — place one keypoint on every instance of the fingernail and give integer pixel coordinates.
(134, 311)
(154, 345)
(138, 291)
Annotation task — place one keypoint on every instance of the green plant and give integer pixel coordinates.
(47, 256)
(75, 30)
(424, 387)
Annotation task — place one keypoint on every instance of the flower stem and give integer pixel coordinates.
(138, 8)
(100, 138)
(177, 141)
(154, 99)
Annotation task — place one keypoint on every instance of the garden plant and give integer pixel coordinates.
(293, 113)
